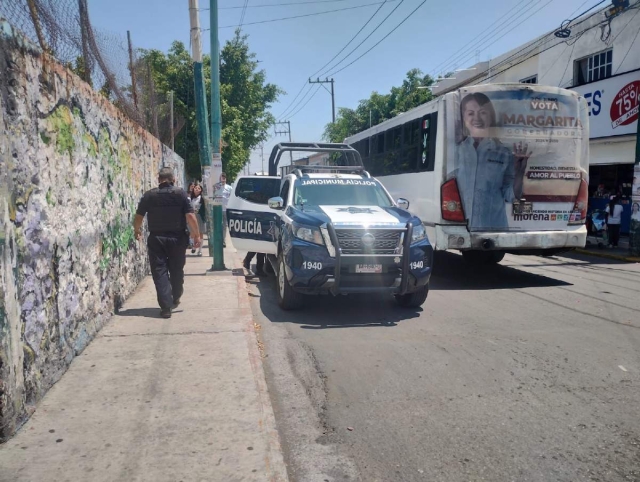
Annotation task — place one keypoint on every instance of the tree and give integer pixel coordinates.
(245, 98)
(380, 107)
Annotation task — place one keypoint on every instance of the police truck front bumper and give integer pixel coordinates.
(402, 272)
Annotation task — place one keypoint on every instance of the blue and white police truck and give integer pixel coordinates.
(330, 229)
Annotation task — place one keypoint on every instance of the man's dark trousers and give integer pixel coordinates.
(167, 256)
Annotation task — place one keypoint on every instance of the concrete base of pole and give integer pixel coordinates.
(218, 251)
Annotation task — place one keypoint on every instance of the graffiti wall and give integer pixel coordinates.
(72, 169)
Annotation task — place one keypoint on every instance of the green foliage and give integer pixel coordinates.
(380, 107)
(245, 100)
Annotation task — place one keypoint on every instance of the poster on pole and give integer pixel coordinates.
(216, 171)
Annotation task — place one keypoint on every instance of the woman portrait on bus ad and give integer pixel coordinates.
(489, 174)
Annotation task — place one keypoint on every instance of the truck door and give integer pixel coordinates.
(252, 224)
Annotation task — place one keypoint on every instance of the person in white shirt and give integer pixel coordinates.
(222, 192)
(614, 210)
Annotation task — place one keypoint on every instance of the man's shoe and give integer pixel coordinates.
(176, 303)
(246, 264)
(165, 313)
(193, 250)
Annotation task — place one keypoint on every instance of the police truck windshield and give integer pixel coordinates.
(340, 192)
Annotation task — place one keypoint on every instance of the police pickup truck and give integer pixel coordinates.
(330, 229)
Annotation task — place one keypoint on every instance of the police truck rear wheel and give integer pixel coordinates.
(288, 299)
(415, 299)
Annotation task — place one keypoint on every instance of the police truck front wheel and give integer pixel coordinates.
(415, 299)
(288, 299)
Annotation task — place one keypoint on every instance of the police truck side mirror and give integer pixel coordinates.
(276, 202)
(402, 203)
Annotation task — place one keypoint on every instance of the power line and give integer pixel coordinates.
(307, 14)
(352, 39)
(445, 62)
(381, 40)
(305, 104)
(244, 11)
(291, 105)
(632, 42)
(280, 4)
(491, 36)
(324, 74)
(302, 99)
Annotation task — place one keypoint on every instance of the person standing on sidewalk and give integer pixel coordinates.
(614, 210)
(197, 203)
(168, 212)
(222, 192)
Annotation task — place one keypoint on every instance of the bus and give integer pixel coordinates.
(490, 169)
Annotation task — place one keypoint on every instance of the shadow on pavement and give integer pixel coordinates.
(143, 312)
(452, 273)
(326, 311)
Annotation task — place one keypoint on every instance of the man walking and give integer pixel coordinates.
(168, 212)
(222, 192)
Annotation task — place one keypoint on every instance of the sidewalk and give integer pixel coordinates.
(150, 399)
(621, 253)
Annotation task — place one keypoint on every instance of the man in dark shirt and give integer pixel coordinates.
(168, 211)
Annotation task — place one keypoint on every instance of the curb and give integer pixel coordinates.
(628, 259)
(274, 457)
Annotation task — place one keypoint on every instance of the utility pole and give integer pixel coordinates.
(201, 113)
(84, 25)
(216, 137)
(634, 238)
(262, 157)
(171, 117)
(132, 71)
(333, 98)
(288, 131)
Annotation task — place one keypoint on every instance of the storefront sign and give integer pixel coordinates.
(613, 105)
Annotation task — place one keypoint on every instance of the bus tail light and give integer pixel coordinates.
(451, 203)
(579, 214)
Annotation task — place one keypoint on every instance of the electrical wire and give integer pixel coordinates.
(305, 104)
(632, 42)
(280, 4)
(285, 115)
(352, 39)
(464, 47)
(381, 40)
(244, 11)
(291, 106)
(484, 45)
(363, 40)
(306, 15)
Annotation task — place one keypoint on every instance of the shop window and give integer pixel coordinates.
(530, 80)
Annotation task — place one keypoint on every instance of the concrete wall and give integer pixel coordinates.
(72, 169)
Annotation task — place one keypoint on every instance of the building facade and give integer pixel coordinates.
(597, 55)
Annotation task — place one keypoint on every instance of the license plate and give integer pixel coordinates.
(368, 268)
(520, 207)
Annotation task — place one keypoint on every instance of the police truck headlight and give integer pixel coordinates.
(418, 234)
(307, 233)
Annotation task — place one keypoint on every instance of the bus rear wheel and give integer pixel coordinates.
(482, 257)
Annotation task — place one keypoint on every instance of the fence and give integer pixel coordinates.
(107, 61)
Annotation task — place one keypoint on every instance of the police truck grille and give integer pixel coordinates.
(385, 241)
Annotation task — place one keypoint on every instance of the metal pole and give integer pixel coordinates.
(634, 235)
(201, 110)
(171, 118)
(333, 104)
(132, 70)
(36, 25)
(289, 129)
(262, 156)
(84, 23)
(216, 133)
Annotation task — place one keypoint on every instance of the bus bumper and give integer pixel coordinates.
(458, 237)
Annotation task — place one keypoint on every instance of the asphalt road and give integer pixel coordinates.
(528, 371)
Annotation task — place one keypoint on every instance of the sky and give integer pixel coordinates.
(439, 36)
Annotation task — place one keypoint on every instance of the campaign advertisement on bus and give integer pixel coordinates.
(519, 155)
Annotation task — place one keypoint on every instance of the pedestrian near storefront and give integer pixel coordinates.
(222, 193)
(168, 212)
(614, 211)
